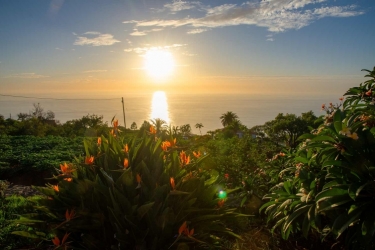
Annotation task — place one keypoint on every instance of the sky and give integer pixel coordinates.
(90, 48)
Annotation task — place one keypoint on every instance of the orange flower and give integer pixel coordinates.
(65, 168)
(173, 142)
(99, 140)
(126, 163)
(197, 154)
(139, 180)
(89, 160)
(226, 176)
(185, 230)
(126, 148)
(184, 159)
(69, 216)
(173, 185)
(221, 202)
(68, 179)
(369, 93)
(56, 188)
(165, 145)
(152, 130)
(182, 228)
(56, 240)
(323, 106)
(341, 98)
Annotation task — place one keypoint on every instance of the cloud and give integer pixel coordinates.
(275, 16)
(95, 71)
(196, 31)
(137, 33)
(57, 48)
(179, 5)
(95, 38)
(142, 50)
(27, 76)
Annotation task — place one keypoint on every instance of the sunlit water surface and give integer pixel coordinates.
(175, 109)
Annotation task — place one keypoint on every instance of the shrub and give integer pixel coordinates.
(145, 194)
(328, 184)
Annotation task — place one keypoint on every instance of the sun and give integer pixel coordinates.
(158, 63)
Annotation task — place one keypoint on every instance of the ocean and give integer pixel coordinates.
(175, 108)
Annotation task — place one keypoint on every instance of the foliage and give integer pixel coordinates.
(29, 153)
(241, 160)
(144, 194)
(287, 128)
(9, 208)
(89, 125)
(328, 183)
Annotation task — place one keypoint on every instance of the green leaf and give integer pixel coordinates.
(287, 186)
(329, 193)
(344, 220)
(142, 210)
(337, 118)
(324, 138)
(329, 203)
(37, 235)
(305, 226)
(294, 216)
(352, 191)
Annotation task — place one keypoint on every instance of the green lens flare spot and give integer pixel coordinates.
(222, 194)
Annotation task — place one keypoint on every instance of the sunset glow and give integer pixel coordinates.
(158, 63)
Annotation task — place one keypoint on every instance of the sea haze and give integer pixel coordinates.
(177, 109)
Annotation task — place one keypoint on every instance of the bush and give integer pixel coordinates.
(148, 195)
(328, 183)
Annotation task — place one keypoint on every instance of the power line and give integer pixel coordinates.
(59, 99)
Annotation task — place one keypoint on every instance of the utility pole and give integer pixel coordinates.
(123, 111)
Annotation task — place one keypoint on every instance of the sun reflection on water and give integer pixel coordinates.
(159, 106)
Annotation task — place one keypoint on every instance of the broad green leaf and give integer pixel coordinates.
(37, 235)
(329, 193)
(142, 210)
(344, 220)
(324, 138)
(294, 216)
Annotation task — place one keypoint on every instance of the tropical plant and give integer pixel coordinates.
(160, 125)
(144, 194)
(185, 129)
(228, 118)
(328, 183)
(199, 126)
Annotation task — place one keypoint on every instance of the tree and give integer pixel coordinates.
(228, 118)
(159, 124)
(133, 126)
(287, 128)
(23, 116)
(199, 126)
(185, 129)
